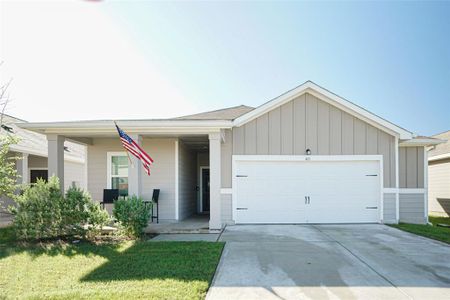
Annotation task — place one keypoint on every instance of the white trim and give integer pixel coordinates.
(397, 182)
(404, 190)
(226, 191)
(109, 155)
(437, 157)
(201, 186)
(421, 142)
(236, 158)
(411, 191)
(93, 128)
(306, 157)
(425, 182)
(177, 199)
(327, 96)
(26, 150)
(86, 169)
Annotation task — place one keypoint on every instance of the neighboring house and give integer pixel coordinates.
(307, 156)
(439, 177)
(32, 150)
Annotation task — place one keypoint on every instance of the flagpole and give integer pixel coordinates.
(128, 154)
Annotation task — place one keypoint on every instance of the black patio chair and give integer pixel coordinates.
(155, 199)
(109, 196)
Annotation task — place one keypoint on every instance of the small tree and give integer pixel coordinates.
(8, 171)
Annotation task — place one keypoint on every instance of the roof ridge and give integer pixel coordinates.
(215, 111)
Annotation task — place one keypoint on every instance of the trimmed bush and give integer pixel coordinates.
(132, 214)
(43, 212)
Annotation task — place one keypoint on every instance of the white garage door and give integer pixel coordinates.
(282, 191)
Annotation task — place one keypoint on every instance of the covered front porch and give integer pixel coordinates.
(187, 170)
(197, 223)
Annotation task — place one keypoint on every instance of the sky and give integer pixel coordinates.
(79, 60)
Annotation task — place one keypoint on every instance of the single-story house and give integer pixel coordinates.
(307, 156)
(33, 163)
(439, 177)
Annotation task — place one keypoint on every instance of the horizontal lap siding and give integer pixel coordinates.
(187, 182)
(439, 187)
(412, 208)
(226, 208)
(309, 123)
(162, 177)
(389, 207)
(74, 174)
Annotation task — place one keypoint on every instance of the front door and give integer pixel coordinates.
(205, 190)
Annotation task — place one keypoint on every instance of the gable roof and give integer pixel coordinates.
(229, 113)
(35, 143)
(330, 98)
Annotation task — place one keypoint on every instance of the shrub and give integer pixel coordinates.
(43, 212)
(132, 214)
(80, 215)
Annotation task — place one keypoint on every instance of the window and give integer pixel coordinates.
(118, 172)
(36, 174)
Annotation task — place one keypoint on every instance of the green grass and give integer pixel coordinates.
(439, 220)
(128, 270)
(430, 231)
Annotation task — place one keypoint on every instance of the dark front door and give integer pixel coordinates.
(205, 189)
(35, 174)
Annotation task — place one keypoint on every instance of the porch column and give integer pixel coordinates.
(215, 217)
(134, 171)
(22, 168)
(56, 157)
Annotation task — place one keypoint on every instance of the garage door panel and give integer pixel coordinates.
(338, 191)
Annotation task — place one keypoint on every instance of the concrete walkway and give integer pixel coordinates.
(330, 262)
(193, 224)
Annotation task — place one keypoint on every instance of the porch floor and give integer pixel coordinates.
(193, 224)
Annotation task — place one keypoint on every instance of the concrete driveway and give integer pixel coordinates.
(330, 262)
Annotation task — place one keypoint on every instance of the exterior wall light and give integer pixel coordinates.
(308, 151)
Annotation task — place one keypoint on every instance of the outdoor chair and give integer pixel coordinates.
(109, 196)
(155, 198)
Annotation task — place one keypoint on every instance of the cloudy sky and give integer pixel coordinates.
(72, 60)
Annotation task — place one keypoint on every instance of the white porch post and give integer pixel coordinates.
(215, 217)
(22, 168)
(56, 157)
(134, 172)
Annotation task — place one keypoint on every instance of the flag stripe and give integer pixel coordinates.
(132, 147)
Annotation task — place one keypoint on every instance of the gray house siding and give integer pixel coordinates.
(309, 123)
(226, 208)
(411, 167)
(187, 182)
(163, 171)
(412, 208)
(389, 208)
(439, 187)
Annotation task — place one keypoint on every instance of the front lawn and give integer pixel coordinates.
(430, 231)
(127, 270)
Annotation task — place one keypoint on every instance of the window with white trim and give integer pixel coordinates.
(118, 172)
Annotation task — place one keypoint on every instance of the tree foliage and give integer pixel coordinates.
(42, 211)
(8, 171)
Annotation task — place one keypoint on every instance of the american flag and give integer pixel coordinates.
(131, 146)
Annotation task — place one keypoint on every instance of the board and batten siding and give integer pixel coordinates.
(310, 123)
(187, 174)
(163, 171)
(411, 167)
